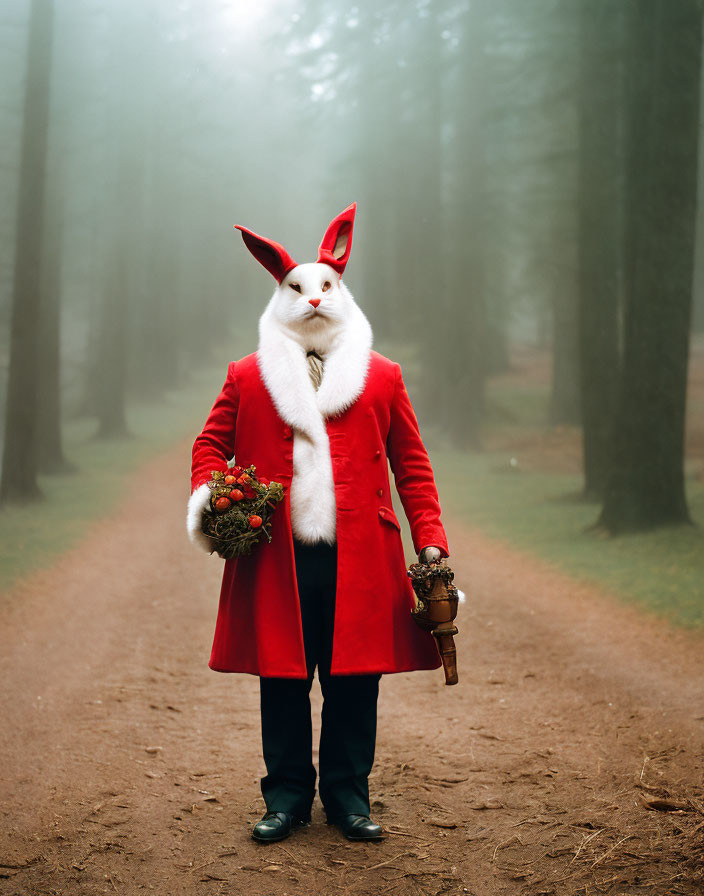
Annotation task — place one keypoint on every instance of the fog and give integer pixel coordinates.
(529, 247)
(526, 178)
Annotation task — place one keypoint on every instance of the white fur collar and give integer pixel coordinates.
(284, 370)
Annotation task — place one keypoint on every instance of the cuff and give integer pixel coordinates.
(196, 505)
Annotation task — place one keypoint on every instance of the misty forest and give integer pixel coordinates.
(529, 247)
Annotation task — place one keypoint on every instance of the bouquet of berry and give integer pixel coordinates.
(239, 515)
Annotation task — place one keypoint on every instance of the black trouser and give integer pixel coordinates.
(348, 733)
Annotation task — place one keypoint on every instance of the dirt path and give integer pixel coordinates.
(129, 766)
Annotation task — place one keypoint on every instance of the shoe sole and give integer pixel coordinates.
(363, 839)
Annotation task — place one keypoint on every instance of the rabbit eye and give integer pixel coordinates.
(295, 286)
(326, 286)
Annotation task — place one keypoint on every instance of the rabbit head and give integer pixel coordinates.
(310, 302)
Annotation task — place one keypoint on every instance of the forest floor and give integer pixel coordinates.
(568, 760)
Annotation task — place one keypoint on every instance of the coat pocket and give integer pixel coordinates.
(387, 514)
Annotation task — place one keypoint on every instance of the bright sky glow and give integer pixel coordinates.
(248, 19)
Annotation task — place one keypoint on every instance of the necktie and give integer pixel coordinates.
(315, 368)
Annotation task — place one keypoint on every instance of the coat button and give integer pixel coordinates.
(288, 432)
(377, 453)
(380, 492)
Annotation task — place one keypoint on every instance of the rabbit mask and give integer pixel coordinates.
(311, 308)
(311, 303)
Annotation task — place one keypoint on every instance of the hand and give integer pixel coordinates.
(430, 554)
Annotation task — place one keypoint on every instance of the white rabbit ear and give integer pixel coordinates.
(337, 242)
(268, 253)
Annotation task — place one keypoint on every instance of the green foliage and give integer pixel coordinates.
(661, 571)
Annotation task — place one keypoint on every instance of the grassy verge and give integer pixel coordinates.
(661, 571)
(32, 536)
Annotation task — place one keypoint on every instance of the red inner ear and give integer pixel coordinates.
(337, 242)
(271, 255)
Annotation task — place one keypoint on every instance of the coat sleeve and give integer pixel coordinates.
(413, 473)
(212, 449)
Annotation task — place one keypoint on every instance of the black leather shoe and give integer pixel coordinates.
(276, 826)
(358, 827)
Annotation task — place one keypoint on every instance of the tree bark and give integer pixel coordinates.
(19, 467)
(646, 488)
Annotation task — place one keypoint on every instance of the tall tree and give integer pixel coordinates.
(459, 367)
(559, 25)
(564, 394)
(419, 252)
(600, 222)
(646, 487)
(51, 458)
(19, 467)
(124, 169)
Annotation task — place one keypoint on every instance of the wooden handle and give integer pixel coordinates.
(448, 652)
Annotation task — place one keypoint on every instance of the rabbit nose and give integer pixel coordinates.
(314, 302)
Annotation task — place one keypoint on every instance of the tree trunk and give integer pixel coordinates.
(380, 288)
(646, 487)
(564, 398)
(51, 456)
(124, 186)
(600, 222)
(19, 468)
(497, 348)
(427, 224)
(460, 363)
(111, 371)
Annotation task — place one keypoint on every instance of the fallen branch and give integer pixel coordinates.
(611, 849)
(402, 833)
(388, 861)
(584, 843)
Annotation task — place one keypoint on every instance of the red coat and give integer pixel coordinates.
(258, 628)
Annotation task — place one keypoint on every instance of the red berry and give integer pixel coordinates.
(236, 495)
(222, 503)
(255, 521)
(230, 479)
(243, 479)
